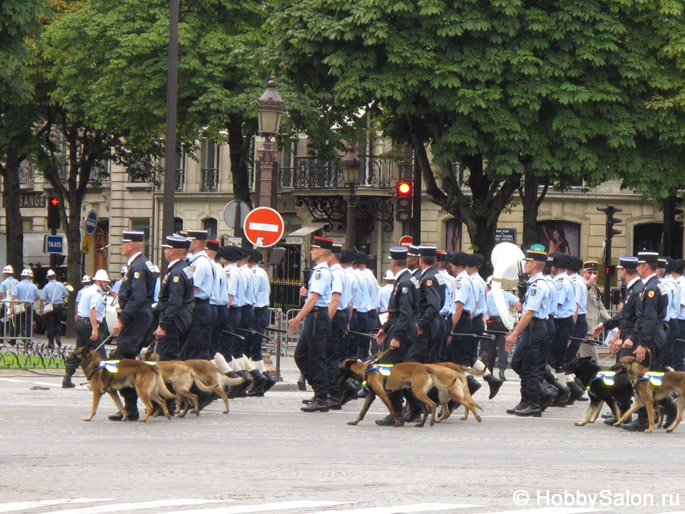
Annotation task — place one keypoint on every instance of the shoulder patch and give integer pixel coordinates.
(663, 288)
(317, 275)
(429, 283)
(405, 290)
(650, 294)
(176, 279)
(188, 271)
(150, 266)
(136, 275)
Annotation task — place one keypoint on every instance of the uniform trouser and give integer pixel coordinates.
(199, 337)
(260, 321)
(529, 360)
(361, 344)
(333, 349)
(464, 349)
(53, 323)
(437, 348)
(231, 348)
(246, 317)
(310, 352)
(579, 331)
(671, 340)
(679, 349)
(219, 325)
(169, 346)
(423, 344)
(83, 330)
(563, 328)
(131, 340)
(496, 347)
(444, 355)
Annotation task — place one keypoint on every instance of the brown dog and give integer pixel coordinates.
(145, 378)
(452, 384)
(208, 378)
(181, 377)
(412, 375)
(672, 382)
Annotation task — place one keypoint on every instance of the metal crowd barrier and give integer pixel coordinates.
(17, 321)
(291, 340)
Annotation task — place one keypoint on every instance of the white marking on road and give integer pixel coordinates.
(265, 227)
(12, 507)
(264, 507)
(400, 509)
(551, 510)
(119, 507)
(50, 384)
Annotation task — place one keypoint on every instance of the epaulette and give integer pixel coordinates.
(188, 271)
(415, 281)
(150, 266)
(440, 279)
(663, 289)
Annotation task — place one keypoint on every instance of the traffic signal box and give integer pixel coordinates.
(53, 213)
(405, 195)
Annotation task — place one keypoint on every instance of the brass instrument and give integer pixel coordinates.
(506, 260)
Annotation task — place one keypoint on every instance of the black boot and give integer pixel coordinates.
(257, 389)
(640, 424)
(494, 383)
(66, 381)
(318, 405)
(350, 388)
(270, 381)
(576, 392)
(502, 375)
(529, 411)
(334, 402)
(130, 405)
(521, 406)
(473, 384)
(547, 395)
(562, 396)
(670, 411)
(238, 391)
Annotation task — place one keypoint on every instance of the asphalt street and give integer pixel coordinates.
(267, 456)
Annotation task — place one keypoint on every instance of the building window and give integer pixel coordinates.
(143, 225)
(210, 165)
(211, 227)
(180, 169)
(26, 225)
(178, 225)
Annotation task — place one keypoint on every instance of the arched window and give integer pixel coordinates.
(211, 227)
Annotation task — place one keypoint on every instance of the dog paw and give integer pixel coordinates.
(579, 424)
(352, 423)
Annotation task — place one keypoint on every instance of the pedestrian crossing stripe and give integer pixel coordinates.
(119, 507)
(403, 509)
(17, 506)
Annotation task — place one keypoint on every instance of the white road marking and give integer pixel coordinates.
(119, 507)
(551, 510)
(12, 507)
(264, 227)
(264, 507)
(50, 384)
(400, 509)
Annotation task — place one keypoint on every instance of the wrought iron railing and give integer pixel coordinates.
(26, 175)
(313, 173)
(210, 179)
(180, 179)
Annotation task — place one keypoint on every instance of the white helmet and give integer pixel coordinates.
(26, 272)
(101, 275)
(389, 275)
(8, 269)
(86, 279)
(50, 273)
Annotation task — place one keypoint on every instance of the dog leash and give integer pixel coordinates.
(253, 331)
(242, 338)
(485, 336)
(107, 340)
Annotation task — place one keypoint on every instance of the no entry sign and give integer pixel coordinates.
(406, 241)
(263, 227)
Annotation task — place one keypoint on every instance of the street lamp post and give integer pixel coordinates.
(350, 165)
(270, 108)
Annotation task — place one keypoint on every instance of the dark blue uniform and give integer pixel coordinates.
(626, 318)
(402, 314)
(431, 298)
(650, 329)
(175, 298)
(135, 299)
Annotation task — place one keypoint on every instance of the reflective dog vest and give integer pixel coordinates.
(655, 377)
(605, 376)
(383, 369)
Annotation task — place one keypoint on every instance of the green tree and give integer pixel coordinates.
(503, 88)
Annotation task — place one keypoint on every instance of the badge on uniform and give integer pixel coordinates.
(317, 275)
(458, 285)
(429, 283)
(136, 275)
(650, 294)
(533, 291)
(176, 279)
(405, 290)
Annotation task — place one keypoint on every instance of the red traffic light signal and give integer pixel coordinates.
(53, 213)
(404, 189)
(405, 193)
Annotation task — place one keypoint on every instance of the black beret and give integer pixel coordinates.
(255, 255)
(231, 253)
(575, 263)
(459, 258)
(347, 256)
(360, 257)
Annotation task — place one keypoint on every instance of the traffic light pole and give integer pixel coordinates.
(609, 210)
(416, 207)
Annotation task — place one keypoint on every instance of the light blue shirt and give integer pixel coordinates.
(509, 298)
(552, 297)
(464, 291)
(320, 283)
(92, 298)
(235, 280)
(580, 289)
(355, 287)
(117, 286)
(673, 309)
(155, 295)
(26, 291)
(566, 296)
(681, 285)
(248, 279)
(449, 307)
(54, 292)
(384, 296)
(364, 304)
(222, 287)
(371, 288)
(536, 297)
(262, 288)
(8, 287)
(480, 290)
(340, 285)
(203, 276)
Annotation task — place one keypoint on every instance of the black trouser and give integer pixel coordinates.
(669, 357)
(563, 328)
(437, 347)
(496, 348)
(361, 343)
(420, 348)
(131, 340)
(310, 353)
(260, 320)
(230, 346)
(219, 325)
(529, 360)
(678, 357)
(246, 316)
(53, 323)
(464, 349)
(333, 352)
(83, 330)
(579, 332)
(198, 342)
(169, 346)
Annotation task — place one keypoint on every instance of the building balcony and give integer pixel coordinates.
(210, 180)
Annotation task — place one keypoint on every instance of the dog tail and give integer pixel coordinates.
(668, 368)
(161, 386)
(226, 380)
(462, 368)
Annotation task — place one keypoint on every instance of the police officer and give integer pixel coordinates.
(349, 348)
(51, 305)
(563, 323)
(176, 295)
(667, 267)
(219, 298)
(198, 341)
(362, 308)
(678, 362)
(530, 336)
(431, 299)
(384, 292)
(89, 316)
(135, 299)
(596, 312)
(8, 284)
(86, 281)
(462, 348)
(580, 326)
(398, 333)
(439, 353)
(27, 292)
(413, 261)
(310, 353)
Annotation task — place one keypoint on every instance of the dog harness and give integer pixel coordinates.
(383, 369)
(655, 377)
(110, 366)
(605, 376)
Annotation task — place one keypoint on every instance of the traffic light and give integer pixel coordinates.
(609, 270)
(53, 213)
(405, 194)
(610, 210)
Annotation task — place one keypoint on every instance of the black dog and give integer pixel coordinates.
(604, 386)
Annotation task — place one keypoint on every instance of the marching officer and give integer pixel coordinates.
(175, 298)
(431, 299)
(530, 336)
(398, 333)
(135, 300)
(51, 304)
(310, 353)
(580, 326)
(666, 274)
(347, 262)
(462, 348)
(363, 308)
(439, 353)
(89, 316)
(219, 298)
(563, 323)
(198, 342)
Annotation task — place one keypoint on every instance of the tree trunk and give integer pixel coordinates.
(239, 147)
(15, 231)
(669, 226)
(531, 199)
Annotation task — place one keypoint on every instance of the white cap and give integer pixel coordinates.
(101, 275)
(26, 272)
(50, 273)
(86, 279)
(123, 269)
(8, 269)
(389, 275)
